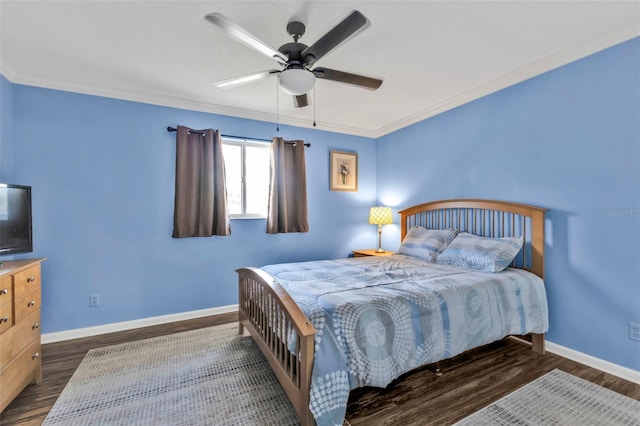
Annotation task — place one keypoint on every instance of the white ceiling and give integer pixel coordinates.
(432, 55)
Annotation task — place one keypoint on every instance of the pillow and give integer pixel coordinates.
(426, 243)
(481, 253)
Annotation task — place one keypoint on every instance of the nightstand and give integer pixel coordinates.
(371, 252)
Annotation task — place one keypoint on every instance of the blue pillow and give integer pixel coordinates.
(426, 243)
(481, 253)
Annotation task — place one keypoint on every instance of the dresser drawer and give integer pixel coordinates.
(23, 370)
(26, 281)
(18, 337)
(6, 317)
(20, 298)
(6, 289)
(26, 305)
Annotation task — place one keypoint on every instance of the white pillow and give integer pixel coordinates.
(426, 243)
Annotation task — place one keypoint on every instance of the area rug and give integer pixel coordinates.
(210, 376)
(559, 399)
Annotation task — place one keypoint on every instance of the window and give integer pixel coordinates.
(247, 168)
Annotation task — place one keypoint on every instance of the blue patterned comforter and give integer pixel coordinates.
(379, 317)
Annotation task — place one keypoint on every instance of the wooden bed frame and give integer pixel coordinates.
(274, 320)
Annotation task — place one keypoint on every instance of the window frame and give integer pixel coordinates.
(243, 143)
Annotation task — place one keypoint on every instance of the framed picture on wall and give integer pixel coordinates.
(343, 175)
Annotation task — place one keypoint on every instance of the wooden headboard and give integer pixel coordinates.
(485, 218)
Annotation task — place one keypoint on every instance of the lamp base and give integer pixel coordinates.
(379, 250)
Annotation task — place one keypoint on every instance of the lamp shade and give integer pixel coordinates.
(296, 81)
(380, 216)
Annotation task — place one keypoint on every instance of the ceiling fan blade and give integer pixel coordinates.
(236, 81)
(345, 77)
(301, 101)
(353, 23)
(238, 33)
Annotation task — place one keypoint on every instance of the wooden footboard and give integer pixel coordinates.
(281, 331)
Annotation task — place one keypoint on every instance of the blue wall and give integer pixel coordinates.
(568, 140)
(102, 172)
(6, 127)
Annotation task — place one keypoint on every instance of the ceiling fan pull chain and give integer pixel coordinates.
(277, 105)
(314, 106)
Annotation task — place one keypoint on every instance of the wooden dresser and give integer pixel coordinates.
(20, 295)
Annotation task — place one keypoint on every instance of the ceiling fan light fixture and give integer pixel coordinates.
(296, 81)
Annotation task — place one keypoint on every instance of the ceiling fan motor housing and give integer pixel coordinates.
(294, 51)
(295, 79)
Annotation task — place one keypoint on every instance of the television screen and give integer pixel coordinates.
(15, 219)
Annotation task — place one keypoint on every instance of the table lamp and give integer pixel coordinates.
(380, 216)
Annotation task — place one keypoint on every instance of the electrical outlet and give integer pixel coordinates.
(94, 300)
(634, 331)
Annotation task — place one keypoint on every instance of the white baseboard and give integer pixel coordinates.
(591, 361)
(597, 363)
(78, 333)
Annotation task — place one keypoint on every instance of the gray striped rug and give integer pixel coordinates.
(211, 376)
(559, 399)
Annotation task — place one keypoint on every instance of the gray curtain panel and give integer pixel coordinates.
(200, 208)
(287, 210)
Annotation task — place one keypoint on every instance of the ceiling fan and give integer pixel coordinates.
(296, 59)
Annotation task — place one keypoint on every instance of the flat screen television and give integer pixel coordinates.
(15, 219)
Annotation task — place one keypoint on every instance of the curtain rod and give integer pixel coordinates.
(173, 129)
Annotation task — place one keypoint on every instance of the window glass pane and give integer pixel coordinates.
(233, 174)
(257, 179)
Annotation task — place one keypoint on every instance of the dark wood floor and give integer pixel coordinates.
(469, 382)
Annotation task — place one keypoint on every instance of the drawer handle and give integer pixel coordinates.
(30, 304)
(31, 279)
(35, 326)
(35, 355)
(4, 291)
(5, 319)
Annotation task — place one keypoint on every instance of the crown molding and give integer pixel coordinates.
(8, 72)
(529, 71)
(181, 103)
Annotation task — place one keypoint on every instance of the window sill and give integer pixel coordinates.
(247, 217)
